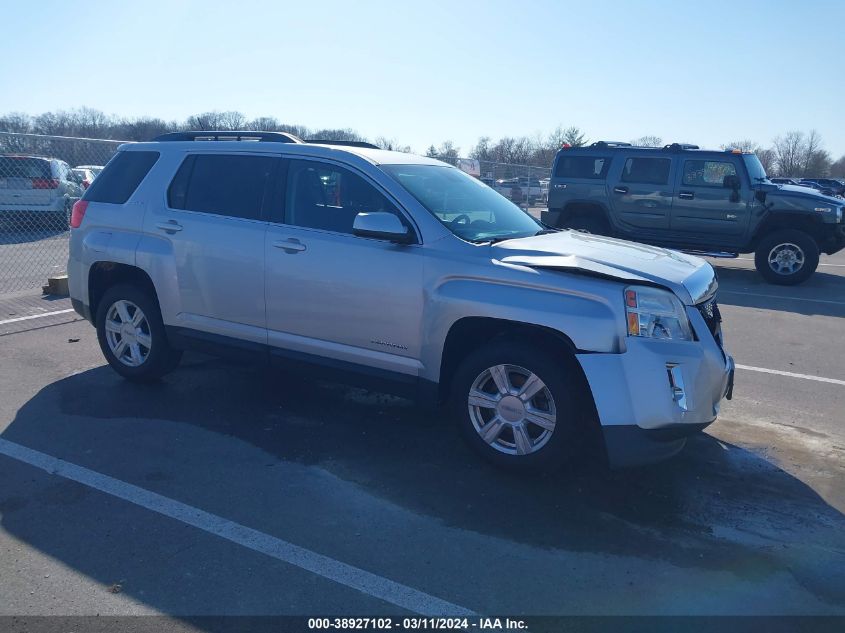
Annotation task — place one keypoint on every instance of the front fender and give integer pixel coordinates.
(589, 319)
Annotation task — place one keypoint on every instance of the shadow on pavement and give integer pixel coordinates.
(822, 294)
(715, 506)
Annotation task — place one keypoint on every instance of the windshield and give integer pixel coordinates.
(755, 168)
(466, 206)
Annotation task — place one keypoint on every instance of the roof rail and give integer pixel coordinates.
(229, 135)
(325, 141)
(610, 144)
(677, 146)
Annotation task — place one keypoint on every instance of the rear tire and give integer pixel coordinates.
(132, 336)
(786, 257)
(539, 431)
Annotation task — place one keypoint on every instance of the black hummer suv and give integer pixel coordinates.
(710, 202)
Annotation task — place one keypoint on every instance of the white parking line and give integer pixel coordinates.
(767, 296)
(341, 573)
(751, 259)
(35, 316)
(777, 372)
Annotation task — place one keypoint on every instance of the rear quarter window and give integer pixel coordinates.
(121, 177)
(594, 167)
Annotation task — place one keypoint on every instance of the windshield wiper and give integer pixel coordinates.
(547, 231)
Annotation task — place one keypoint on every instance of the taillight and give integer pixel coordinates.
(45, 183)
(78, 213)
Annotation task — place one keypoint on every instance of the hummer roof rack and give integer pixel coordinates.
(610, 144)
(227, 135)
(677, 146)
(324, 141)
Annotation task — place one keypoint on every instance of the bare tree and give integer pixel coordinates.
(746, 145)
(789, 151)
(768, 158)
(837, 169)
(648, 141)
(16, 122)
(391, 144)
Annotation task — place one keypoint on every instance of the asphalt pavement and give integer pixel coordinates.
(237, 490)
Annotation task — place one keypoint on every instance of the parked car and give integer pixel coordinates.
(544, 190)
(86, 176)
(42, 190)
(415, 279)
(837, 186)
(531, 187)
(509, 187)
(683, 197)
(818, 186)
(94, 169)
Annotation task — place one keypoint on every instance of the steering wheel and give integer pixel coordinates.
(463, 218)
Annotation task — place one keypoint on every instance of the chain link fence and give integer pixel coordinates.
(40, 179)
(42, 176)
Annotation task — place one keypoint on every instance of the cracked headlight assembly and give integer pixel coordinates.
(656, 313)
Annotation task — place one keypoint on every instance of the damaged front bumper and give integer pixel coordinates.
(656, 393)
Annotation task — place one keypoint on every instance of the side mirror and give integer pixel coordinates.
(381, 226)
(731, 181)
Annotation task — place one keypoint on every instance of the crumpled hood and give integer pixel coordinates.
(691, 278)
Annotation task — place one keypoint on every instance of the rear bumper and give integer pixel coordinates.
(53, 207)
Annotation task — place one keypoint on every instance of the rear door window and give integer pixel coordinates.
(121, 177)
(235, 185)
(652, 171)
(582, 166)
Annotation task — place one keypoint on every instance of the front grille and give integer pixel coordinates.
(712, 317)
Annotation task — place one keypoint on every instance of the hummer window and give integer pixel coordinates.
(707, 173)
(582, 167)
(654, 171)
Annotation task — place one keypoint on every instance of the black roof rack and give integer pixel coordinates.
(325, 141)
(610, 144)
(227, 135)
(677, 146)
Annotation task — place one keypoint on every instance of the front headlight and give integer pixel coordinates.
(656, 313)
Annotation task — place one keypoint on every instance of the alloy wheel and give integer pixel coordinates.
(512, 409)
(786, 259)
(128, 333)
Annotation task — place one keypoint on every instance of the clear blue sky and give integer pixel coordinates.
(423, 72)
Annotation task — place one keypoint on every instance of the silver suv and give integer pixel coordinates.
(401, 274)
(39, 188)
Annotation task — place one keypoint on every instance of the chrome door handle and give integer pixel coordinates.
(620, 189)
(686, 195)
(171, 226)
(560, 186)
(290, 246)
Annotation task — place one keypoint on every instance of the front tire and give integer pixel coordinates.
(786, 257)
(517, 408)
(132, 336)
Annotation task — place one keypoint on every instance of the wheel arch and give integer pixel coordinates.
(809, 224)
(470, 333)
(103, 275)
